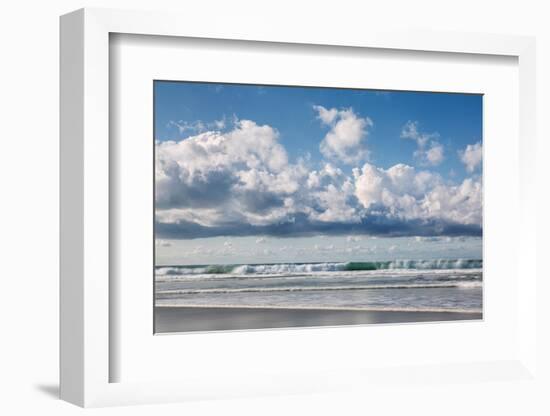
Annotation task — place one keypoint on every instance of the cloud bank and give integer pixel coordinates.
(241, 182)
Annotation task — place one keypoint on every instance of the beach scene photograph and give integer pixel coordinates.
(292, 206)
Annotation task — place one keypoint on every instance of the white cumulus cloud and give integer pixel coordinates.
(241, 175)
(471, 156)
(346, 139)
(241, 182)
(406, 193)
(434, 155)
(429, 151)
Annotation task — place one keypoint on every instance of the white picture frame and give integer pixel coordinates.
(86, 304)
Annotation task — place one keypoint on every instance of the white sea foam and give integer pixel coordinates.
(285, 269)
(466, 285)
(289, 268)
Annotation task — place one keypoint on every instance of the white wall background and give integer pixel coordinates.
(29, 206)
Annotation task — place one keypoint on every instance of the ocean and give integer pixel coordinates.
(444, 285)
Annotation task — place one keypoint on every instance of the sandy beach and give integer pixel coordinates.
(187, 319)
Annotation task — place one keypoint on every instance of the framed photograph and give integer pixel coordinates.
(289, 206)
(311, 204)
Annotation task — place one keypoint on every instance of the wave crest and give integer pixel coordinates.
(296, 268)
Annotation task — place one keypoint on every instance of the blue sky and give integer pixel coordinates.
(249, 162)
(456, 117)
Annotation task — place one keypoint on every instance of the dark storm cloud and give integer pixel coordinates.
(210, 189)
(302, 227)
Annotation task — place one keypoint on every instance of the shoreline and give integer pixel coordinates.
(229, 318)
(319, 308)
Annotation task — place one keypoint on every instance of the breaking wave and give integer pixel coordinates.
(293, 268)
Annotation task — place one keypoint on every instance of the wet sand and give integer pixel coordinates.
(186, 319)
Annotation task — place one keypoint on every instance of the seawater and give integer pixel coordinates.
(399, 285)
